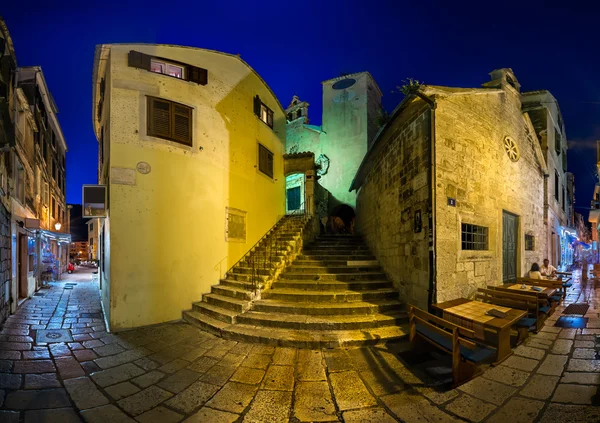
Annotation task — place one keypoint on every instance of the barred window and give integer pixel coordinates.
(474, 237)
(529, 242)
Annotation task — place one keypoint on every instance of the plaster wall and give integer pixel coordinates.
(166, 229)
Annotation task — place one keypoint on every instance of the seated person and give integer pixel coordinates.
(547, 269)
(534, 273)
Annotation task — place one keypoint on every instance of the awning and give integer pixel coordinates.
(58, 236)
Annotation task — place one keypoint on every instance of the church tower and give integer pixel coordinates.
(297, 110)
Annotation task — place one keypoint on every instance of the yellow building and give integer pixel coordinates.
(191, 150)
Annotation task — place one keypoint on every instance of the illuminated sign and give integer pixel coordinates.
(94, 201)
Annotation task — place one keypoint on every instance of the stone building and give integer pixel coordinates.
(451, 192)
(8, 66)
(92, 244)
(547, 120)
(350, 119)
(191, 150)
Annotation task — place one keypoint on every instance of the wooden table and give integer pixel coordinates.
(544, 293)
(471, 314)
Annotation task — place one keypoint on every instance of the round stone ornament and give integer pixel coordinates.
(143, 168)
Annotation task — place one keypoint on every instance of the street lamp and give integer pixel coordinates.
(57, 226)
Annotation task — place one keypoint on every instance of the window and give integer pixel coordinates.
(91, 227)
(53, 208)
(557, 141)
(167, 68)
(45, 193)
(169, 120)
(20, 182)
(182, 71)
(265, 160)
(564, 161)
(529, 243)
(474, 237)
(263, 112)
(91, 242)
(556, 185)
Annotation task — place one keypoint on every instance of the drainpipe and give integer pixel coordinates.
(431, 180)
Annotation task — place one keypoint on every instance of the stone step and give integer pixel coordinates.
(321, 323)
(332, 262)
(314, 340)
(332, 285)
(226, 302)
(239, 284)
(303, 296)
(344, 257)
(246, 277)
(261, 268)
(233, 292)
(215, 312)
(344, 277)
(319, 270)
(316, 249)
(205, 322)
(320, 309)
(338, 237)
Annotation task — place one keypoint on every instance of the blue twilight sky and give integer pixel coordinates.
(294, 45)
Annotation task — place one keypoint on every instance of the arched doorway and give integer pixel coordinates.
(347, 214)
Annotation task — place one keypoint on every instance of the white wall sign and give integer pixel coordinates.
(122, 176)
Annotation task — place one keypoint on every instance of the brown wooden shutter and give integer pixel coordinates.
(270, 164)
(197, 75)
(159, 118)
(182, 124)
(257, 104)
(139, 60)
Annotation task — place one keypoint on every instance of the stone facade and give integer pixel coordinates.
(475, 183)
(394, 190)
(5, 297)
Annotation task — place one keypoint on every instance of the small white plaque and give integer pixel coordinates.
(420, 180)
(143, 167)
(122, 176)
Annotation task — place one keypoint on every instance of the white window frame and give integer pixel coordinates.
(165, 64)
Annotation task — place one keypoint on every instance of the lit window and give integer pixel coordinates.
(263, 112)
(167, 68)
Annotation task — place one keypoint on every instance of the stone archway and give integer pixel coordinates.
(299, 170)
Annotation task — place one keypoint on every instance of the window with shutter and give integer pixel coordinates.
(263, 112)
(265, 160)
(169, 120)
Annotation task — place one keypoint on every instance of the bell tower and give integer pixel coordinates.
(297, 110)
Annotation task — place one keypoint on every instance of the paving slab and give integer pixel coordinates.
(34, 366)
(121, 390)
(470, 408)
(177, 382)
(410, 407)
(562, 346)
(148, 379)
(553, 365)
(248, 375)
(574, 394)
(192, 397)
(143, 401)
(313, 402)
(106, 414)
(41, 381)
(507, 375)
(521, 363)
(269, 407)
(160, 414)
(84, 393)
(350, 391)
(69, 368)
(530, 352)
(233, 397)
(257, 361)
(37, 399)
(53, 335)
(174, 365)
(9, 416)
(382, 383)
(581, 378)
(570, 413)
(540, 387)
(284, 356)
(205, 415)
(57, 415)
(310, 366)
(116, 374)
(368, 415)
(488, 390)
(279, 378)
(203, 364)
(517, 410)
(578, 365)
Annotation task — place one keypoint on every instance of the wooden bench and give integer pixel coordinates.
(557, 284)
(529, 303)
(455, 340)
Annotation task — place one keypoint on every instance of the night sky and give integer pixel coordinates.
(294, 45)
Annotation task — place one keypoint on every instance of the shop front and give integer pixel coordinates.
(568, 243)
(53, 254)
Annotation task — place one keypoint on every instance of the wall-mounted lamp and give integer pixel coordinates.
(57, 226)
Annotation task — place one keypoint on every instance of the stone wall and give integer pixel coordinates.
(5, 279)
(394, 190)
(473, 167)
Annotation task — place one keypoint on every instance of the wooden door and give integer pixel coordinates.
(22, 265)
(509, 247)
(293, 198)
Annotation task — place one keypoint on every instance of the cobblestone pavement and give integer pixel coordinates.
(176, 372)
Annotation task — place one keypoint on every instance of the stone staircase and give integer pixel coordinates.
(333, 294)
(235, 293)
